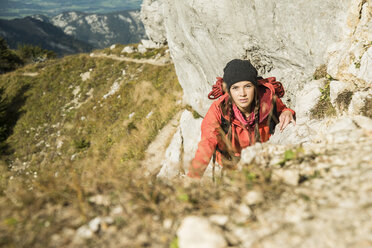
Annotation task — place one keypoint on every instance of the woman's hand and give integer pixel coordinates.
(285, 118)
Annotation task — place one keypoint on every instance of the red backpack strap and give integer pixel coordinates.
(217, 89)
(278, 87)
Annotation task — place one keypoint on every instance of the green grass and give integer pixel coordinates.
(68, 142)
(324, 107)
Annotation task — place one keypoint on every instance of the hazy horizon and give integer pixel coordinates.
(11, 9)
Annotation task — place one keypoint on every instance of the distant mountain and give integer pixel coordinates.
(10, 9)
(74, 32)
(102, 30)
(42, 33)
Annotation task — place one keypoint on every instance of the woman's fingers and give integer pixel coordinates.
(285, 122)
(285, 118)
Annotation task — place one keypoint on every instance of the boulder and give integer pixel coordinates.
(288, 176)
(198, 232)
(293, 134)
(141, 48)
(127, 49)
(308, 97)
(153, 20)
(253, 197)
(349, 58)
(191, 134)
(365, 71)
(171, 165)
(149, 44)
(358, 102)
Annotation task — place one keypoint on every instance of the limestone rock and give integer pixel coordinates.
(171, 164)
(191, 134)
(127, 49)
(204, 35)
(153, 20)
(288, 176)
(308, 97)
(198, 232)
(155, 152)
(365, 71)
(141, 48)
(253, 197)
(149, 44)
(358, 102)
(242, 214)
(249, 154)
(363, 122)
(220, 220)
(292, 134)
(342, 130)
(350, 58)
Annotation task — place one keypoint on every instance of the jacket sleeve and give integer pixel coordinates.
(207, 145)
(280, 107)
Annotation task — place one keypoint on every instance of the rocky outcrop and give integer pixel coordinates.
(326, 203)
(287, 39)
(350, 59)
(153, 19)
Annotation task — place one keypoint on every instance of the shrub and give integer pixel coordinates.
(30, 53)
(81, 144)
(9, 61)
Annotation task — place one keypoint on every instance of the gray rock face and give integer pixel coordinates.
(182, 147)
(153, 19)
(350, 58)
(286, 39)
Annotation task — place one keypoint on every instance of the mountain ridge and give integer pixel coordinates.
(74, 31)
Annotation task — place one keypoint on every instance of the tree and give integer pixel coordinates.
(29, 53)
(9, 61)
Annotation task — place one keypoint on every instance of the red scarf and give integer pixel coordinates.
(239, 115)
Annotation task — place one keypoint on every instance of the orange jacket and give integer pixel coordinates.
(242, 137)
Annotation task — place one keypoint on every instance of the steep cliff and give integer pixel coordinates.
(287, 39)
(319, 50)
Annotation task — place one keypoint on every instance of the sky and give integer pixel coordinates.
(10, 9)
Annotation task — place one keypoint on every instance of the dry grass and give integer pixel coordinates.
(69, 143)
(320, 72)
(367, 108)
(343, 100)
(324, 107)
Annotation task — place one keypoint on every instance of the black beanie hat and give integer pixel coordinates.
(239, 70)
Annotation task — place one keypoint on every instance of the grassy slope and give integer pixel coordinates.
(69, 141)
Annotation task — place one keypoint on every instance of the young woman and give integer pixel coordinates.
(245, 114)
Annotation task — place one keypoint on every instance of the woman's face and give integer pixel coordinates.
(243, 95)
